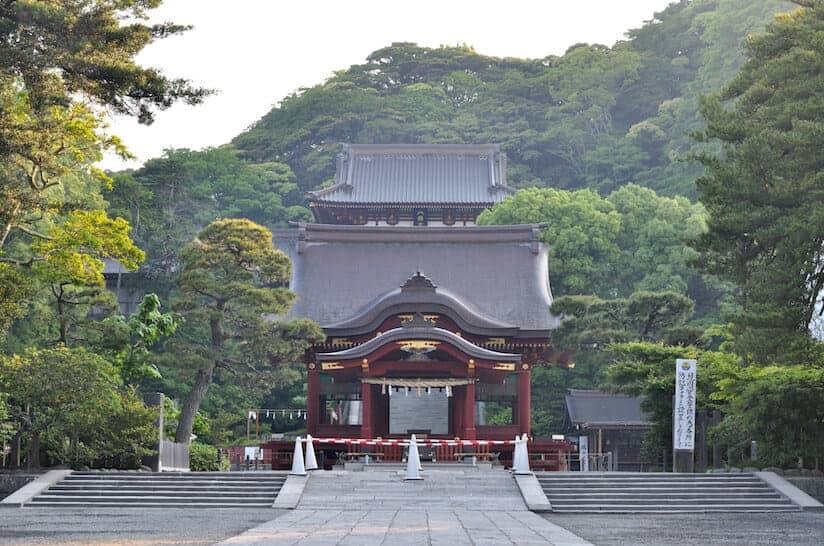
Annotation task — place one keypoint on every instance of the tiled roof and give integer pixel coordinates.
(593, 408)
(501, 272)
(418, 174)
(438, 334)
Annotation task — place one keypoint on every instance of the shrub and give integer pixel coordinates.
(202, 458)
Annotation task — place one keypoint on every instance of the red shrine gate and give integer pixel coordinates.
(415, 358)
(422, 342)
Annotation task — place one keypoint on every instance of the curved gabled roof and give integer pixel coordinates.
(420, 295)
(416, 332)
(498, 273)
(415, 174)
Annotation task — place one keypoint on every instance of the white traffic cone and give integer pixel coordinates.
(297, 460)
(516, 454)
(523, 461)
(311, 460)
(413, 463)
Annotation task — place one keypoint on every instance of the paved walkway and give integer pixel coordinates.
(378, 507)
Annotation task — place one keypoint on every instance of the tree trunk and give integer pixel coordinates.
(61, 316)
(187, 415)
(33, 460)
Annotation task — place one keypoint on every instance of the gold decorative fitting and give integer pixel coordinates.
(341, 341)
(505, 366)
(525, 366)
(409, 317)
(365, 364)
(311, 365)
(331, 366)
(495, 341)
(418, 344)
(471, 364)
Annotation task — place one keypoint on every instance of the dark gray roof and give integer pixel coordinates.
(113, 267)
(497, 272)
(426, 333)
(419, 295)
(596, 408)
(418, 174)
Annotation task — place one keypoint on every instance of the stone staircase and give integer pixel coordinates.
(444, 487)
(618, 492)
(164, 490)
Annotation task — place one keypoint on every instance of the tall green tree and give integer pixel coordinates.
(581, 233)
(128, 340)
(70, 260)
(63, 65)
(70, 404)
(765, 193)
(631, 241)
(750, 395)
(171, 198)
(230, 283)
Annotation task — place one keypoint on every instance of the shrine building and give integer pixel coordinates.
(433, 323)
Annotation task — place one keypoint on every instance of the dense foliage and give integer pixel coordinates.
(202, 458)
(63, 65)
(71, 402)
(596, 117)
(765, 193)
(629, 241)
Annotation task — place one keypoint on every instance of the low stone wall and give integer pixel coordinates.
(813, 486)
(12, 481)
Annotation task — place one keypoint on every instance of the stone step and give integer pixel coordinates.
(165, 493)
(161, 477)
(641, 488)
(626, 493)
(651, 478)
(239, 483)
(651, 485)
(142, 500)
(178, 474)
(620, 493)
(654, 508)
(630, 475)
(113, 504)
(110, 487)
(671, 502)
(178, 489)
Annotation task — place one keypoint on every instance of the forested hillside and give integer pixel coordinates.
(597, 117)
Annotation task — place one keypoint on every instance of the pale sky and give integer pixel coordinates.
(255, 52)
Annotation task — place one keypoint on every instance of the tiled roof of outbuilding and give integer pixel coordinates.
(596, 408)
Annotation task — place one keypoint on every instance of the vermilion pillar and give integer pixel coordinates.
(469, 412)
(523, 400)
(366, 403)
(457, 410)
(312, 399)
